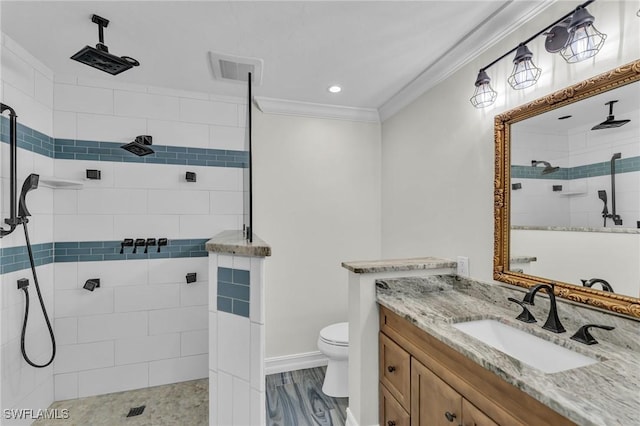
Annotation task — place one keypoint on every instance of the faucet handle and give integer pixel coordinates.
(583, 335)
(525, 315)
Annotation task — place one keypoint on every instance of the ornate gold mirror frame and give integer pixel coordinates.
(615, 78)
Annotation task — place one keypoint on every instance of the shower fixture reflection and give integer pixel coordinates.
(140, 146)
(548, 168)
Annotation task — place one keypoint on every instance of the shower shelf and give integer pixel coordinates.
(570, 193)
(57, 183)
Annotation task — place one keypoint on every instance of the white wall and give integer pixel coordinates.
(317, 203)
(438, 153)
(27, 86)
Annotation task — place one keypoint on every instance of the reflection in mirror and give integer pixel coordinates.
(567, 192)
(577, 206)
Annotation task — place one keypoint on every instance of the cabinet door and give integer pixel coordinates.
(394, 370)
(433, 402)
(473, 417)
(391, 412)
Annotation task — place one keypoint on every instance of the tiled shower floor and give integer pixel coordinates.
(293, 399)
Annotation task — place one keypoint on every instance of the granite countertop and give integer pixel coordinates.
(605, 393)
(394, 265)
(606, 230)
(234, 242)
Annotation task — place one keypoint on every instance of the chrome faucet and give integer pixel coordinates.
(605, 285)
(553, 322)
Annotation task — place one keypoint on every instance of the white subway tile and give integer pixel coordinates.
(110, 83)
(227, 137)
(66, 330)
(92, 201)
(82, 99)
(213, 399)
(175, 270)
(209, 112)
(84, 356)
(225, 398)
(72, 303)
(132, 104)
(96, 328)
(178, 319)
(109, 128)
(66, 386)
(176, 370)
(63, 78)
(65, 201)
(234, 344)
(114, 379)
(258, 408)
(39, 116)
(175, 133)
(194, 342)
(77, 170)
(147, 297)
(17, 72)
(146, 226)
(224, 261)
(43, 89)
(22, 53)
(257, 352)
(213, 341)
(199, 226)
(147, 176)
(178, 202)
(41, 396)
(18, 378)
(147, 348)
(195, 294)
(242, 262)
(226, 202)
(256, 293)
(83, 228)
(221, 178)
(177, 93)
(114, 273)
(40, 202)
(241, 402)
(213, 283)
(242, 116)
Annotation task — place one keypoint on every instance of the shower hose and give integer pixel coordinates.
(26, 308)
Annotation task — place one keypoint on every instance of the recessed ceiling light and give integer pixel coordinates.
(335, 89)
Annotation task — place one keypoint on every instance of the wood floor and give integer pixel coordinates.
(295, 398)
(292, 399)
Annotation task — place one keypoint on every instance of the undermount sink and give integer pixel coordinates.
(527, 348)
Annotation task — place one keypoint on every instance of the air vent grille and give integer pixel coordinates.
(235, 68)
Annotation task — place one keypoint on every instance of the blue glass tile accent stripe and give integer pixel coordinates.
(71, 149)
(233, 291)
(623, 165)
(16, 258)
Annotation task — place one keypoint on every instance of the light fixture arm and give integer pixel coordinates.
(568, 15)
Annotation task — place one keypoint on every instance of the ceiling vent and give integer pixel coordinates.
(235, 68)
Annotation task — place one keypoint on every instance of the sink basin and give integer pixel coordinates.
(527, 348)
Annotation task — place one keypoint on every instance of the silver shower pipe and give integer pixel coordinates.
(13, 220)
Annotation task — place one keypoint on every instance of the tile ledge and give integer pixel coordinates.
(397, 265)
(233, 242)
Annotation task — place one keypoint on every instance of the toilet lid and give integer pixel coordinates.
(336, 333)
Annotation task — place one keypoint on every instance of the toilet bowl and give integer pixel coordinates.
(333, 342)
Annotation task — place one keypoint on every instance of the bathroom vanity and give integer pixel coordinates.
(432, 373)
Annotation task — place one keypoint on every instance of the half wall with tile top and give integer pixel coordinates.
(236, 329)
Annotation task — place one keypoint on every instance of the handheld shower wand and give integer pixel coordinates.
(30, 184)
(602, 194)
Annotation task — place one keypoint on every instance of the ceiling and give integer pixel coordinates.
(376, 50)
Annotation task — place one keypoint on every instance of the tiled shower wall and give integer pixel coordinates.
(584, 158)
(145, 325)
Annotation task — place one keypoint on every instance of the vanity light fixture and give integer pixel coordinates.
(484, 94)
(573, 36)
(335, 89)
(585, 41)
(525, 73)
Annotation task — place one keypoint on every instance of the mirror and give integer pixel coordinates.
(567, 198)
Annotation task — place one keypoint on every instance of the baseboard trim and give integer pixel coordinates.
(280, 364)
(351, 420)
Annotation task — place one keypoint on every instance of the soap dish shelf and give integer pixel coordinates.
(57, 183)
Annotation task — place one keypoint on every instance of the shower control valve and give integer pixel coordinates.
(162, 242)
(140, 242)
(150, 242)
(128, 242)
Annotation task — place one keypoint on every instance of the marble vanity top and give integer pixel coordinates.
(606, 393)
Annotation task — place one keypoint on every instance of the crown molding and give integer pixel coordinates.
(308, 109)
(477, 41)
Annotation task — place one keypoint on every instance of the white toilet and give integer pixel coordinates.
(334, 343)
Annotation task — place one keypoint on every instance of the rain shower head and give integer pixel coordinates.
(140, 146)
(611, 121)
(99, 56)
(548, 168)
(30, 183)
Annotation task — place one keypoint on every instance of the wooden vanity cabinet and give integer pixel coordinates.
(424, 382)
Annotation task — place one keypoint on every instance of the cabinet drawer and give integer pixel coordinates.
(391, 412)
(395, 370)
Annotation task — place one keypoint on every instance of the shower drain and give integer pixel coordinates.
(136, 411)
